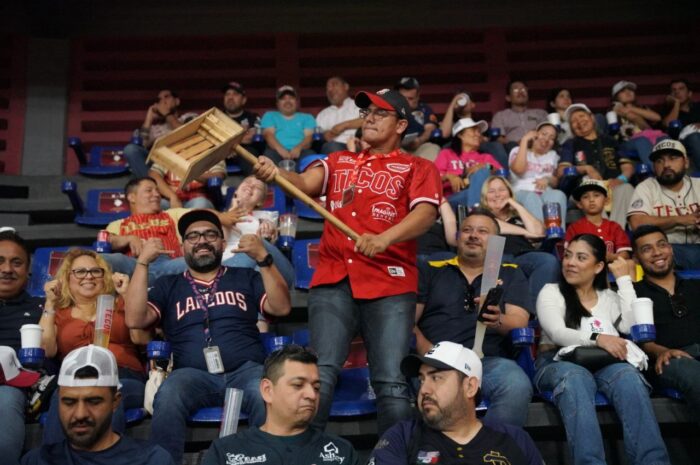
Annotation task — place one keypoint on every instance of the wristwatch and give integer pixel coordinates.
(267, 261)
(594, 336)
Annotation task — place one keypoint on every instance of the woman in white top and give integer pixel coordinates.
(248, 198)
(581, 310)
(533, 167)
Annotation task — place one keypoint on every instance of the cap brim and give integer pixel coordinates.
(579, 191)
(410, 365)
(286, 92)
(24, 379)
(654, 155)
(198, 215)
(365, 99)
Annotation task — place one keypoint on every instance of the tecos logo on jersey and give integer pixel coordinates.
(380, 182)
(330, 453)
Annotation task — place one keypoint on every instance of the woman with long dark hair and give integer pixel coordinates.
(582, 311)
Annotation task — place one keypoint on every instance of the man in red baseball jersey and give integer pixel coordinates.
(389, 198)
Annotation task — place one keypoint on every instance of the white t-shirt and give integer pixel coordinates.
(651, 198)
(248, 225)
(332, 115)
(611, 307)
(538, 166)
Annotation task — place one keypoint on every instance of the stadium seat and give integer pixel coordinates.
(300, 337)
(219, 194)
(103, 205)
(305, 260)
(102, 161)
(45, 263)
(232, 166)
(353, 394)
(271, 342)
(302, 210)
(275, 200)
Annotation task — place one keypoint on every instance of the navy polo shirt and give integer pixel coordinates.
(442, 288)
(22, 310)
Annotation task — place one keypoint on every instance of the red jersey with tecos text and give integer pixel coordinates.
(387, 188)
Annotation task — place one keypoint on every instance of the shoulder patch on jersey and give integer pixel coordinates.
(346, 159)
(398, 167)
(637, 203)
(442, 263)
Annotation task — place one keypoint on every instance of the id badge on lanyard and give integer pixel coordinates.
(212, 354)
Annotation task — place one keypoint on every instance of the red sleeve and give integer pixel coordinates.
(328, 165)
(570, 233)
(425, 184)
(622, 242)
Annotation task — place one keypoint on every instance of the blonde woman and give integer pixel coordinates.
(68, 322)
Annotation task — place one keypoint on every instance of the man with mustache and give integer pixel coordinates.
(209, 315)
(447, 309)
(287, 131)
(448, 431)
(671, 201)
(88, 392)
(676, 350)
(368, 286)
(290, 387)
(17, 308)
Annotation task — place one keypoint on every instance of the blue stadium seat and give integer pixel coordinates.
(232, 166)
(102, 160)
(301, 337)
(45, 263)
(275, 200)
(302, 210)
(353, 394)
(272, 342)
(211, 415)
(103, 205)
(305, 260)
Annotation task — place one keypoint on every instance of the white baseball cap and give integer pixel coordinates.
(445, 355)
(99, 358)
(465, 123)
(576, 107)
(665, 146)
(621, 85)
(11, 371)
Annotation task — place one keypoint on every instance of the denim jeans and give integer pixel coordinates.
(133, 385)
(686, 256)
(642, 146)
(186, 390)
(12, 403)
(386, 325)
(692, 145)
(533, 202)
(574, 389)
(472, 194)
(282, 263)
(508, 390)
(161, 266)
(540, 268)
(497, 150)
(682, 374)
(136, 156)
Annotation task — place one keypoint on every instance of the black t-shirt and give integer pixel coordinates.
(516, 245)
(672, 331)
(689, 117)
(247, 119)
(601, 154)
(126, 451)
(14, 313)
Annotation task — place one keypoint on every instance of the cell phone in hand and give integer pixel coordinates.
(492, 298)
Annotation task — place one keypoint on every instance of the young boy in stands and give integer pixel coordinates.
(591, 196)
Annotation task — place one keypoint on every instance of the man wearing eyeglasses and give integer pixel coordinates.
(389, 198)
(447, 309)
(209, 315)
(676, 350)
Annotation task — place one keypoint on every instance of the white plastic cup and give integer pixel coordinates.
(288, 165)
(31, 336)
(103, 320)
(463, 100)
(232, 411)
(643, 309)
(288, 224)
(611, 117)
(554, 119)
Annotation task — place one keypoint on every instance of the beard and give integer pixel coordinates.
(89, 439)
(443, 417)
(670, 179)
(204, 263)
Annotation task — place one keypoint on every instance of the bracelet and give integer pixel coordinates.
(142, 263)
(49, 312)
(623, 178)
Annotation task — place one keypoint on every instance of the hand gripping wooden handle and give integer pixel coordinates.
(292, 190)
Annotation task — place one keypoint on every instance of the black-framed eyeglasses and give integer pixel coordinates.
(378, 113)
(210, 235)
(469, 304)
(678, 305)
(81, 273)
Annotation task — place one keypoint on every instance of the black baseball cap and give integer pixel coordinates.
(233, 85)
(589, 185)
(408, 83)
(198, 215)
(386, 99)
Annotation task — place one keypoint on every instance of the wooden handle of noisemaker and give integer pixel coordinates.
(292, 190)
